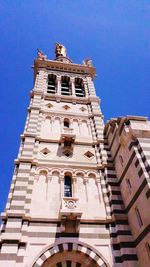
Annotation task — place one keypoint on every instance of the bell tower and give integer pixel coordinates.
(64, 207)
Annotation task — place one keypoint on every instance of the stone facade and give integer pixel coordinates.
(79, 187)
(129, 140)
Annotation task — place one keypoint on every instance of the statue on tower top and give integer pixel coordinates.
(87, 62)
(41, 55)
(60, 50)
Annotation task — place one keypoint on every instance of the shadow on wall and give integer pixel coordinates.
(64, 150)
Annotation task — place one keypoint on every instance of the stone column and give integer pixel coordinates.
(71, 123)
(85, 181)
(73, 86)
(79, 123)
(85, 88)
(52, 124)
(58, 85)
(61, 180)
(89, 128)
(61, 124)
(48, 180)
(74, 182)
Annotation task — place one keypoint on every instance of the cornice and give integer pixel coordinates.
(63, 164)
(40, 139)
(61, 66)
(61, 98)
(63, 114)
(29, 218)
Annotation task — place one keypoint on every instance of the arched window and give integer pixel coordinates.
(51, 88)
(79, 87)
(65, 85)
(67, 186)
(66, 123)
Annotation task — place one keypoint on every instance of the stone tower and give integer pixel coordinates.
(65, 207)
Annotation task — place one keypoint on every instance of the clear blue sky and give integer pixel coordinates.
(114, 33)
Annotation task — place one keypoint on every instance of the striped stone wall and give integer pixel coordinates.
(129, 140)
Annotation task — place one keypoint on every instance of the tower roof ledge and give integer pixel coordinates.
(63, 66)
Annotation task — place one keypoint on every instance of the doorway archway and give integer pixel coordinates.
(70, 254)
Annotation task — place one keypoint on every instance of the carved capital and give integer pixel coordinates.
(97, 180)
(85, 180)
(61, 178)
(74, 179)
(58, 78)
(49, 177)
(72, 79)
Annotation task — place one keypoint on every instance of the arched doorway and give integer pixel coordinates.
(70, 255)
(70, 259)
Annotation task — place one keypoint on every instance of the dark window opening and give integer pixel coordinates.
(69, 264)
(67, 186)
(65, 86)
(129, 185)
(121, 160)
(79, 88)
(51, 88)
(66, 123)
(138, 215)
